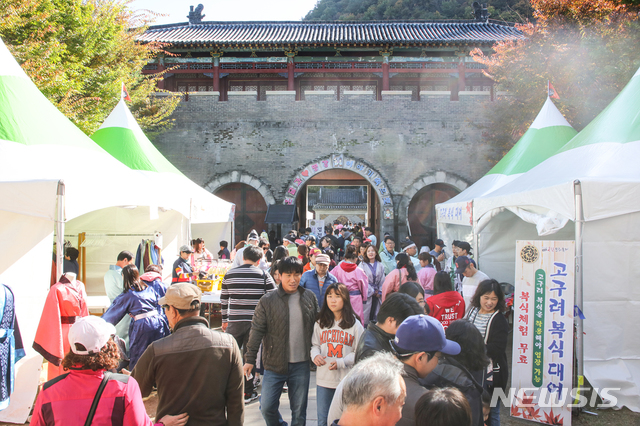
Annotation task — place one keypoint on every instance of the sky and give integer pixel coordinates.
(227, 10)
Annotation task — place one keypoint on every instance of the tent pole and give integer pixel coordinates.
(60, 230)
(579, 225)
(474, 230)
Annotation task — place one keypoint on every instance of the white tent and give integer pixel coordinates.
(39, 149)
(593, 182)
(121, 136)
(546, 135)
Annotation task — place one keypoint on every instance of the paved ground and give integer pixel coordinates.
(253, 416)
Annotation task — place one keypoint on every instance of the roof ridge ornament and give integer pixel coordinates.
(195, 16)
(480, 12)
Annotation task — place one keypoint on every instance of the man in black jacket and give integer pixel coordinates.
(283, 321)
(395, 309)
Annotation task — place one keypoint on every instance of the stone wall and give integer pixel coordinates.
(267, 144)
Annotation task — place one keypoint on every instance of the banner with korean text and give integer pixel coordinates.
(317, 229)
(543, 331)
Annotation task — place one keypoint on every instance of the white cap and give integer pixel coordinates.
(91, 332)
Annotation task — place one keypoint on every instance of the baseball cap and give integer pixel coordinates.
(181, 296)
(422, 333)
(322, 258)
(462, 262)
(91, 332)
(440, 243)
(185, 248)
(253, 236)
(315, 252)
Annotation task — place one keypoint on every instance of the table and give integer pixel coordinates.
(211, 305)
(98, 303)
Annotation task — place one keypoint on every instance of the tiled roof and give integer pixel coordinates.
(355, 196)
(316, 32)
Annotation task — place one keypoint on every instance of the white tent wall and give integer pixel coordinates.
(448, 232)
(112, 230)
(25, 266)
(212, 234)
(612, 306)
(497, 244)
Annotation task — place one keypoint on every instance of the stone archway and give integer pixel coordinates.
(342, 161)
(241, 177)
(439, 177)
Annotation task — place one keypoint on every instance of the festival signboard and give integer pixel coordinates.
(456, 213)
(543, 332)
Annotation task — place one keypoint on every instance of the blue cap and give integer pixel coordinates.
(422, 333)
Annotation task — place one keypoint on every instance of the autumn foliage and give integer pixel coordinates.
(79, 52)
(588, 49)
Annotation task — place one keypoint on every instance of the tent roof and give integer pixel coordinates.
(604, 157)
(548, 133)
(27, 116)
(121, 136)
(38, 143)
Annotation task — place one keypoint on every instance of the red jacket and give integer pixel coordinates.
(67, 399)
(446, 307)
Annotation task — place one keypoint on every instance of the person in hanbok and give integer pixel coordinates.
(11, 347)
(374, 269)
(404, 272)
(152, 277)
(65, 303)
(140, 301)
(348, 273)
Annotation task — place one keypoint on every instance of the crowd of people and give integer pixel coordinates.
(416, 337)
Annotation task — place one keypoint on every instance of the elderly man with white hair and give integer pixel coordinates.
(373, 392)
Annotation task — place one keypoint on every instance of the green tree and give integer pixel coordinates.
(79, 52)
(586, 48)
(367, 10)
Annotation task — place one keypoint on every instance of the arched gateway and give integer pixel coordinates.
(377, 183)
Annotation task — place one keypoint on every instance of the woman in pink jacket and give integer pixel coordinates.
(348, 273)
(404, 272)
(67, 399)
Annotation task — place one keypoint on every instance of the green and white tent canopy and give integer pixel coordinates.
(40, 147)
(604, 156)
(546, 135)
(604, 159)
(121, 136)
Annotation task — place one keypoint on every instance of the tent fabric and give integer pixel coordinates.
(604, 158)
(40, 147)
(122, 137)
(546, 135)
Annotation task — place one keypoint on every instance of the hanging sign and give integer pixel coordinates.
(543, 332)
(317, 229)
(456, 213)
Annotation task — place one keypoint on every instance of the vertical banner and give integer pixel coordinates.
(317, 229)
(543, 332)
